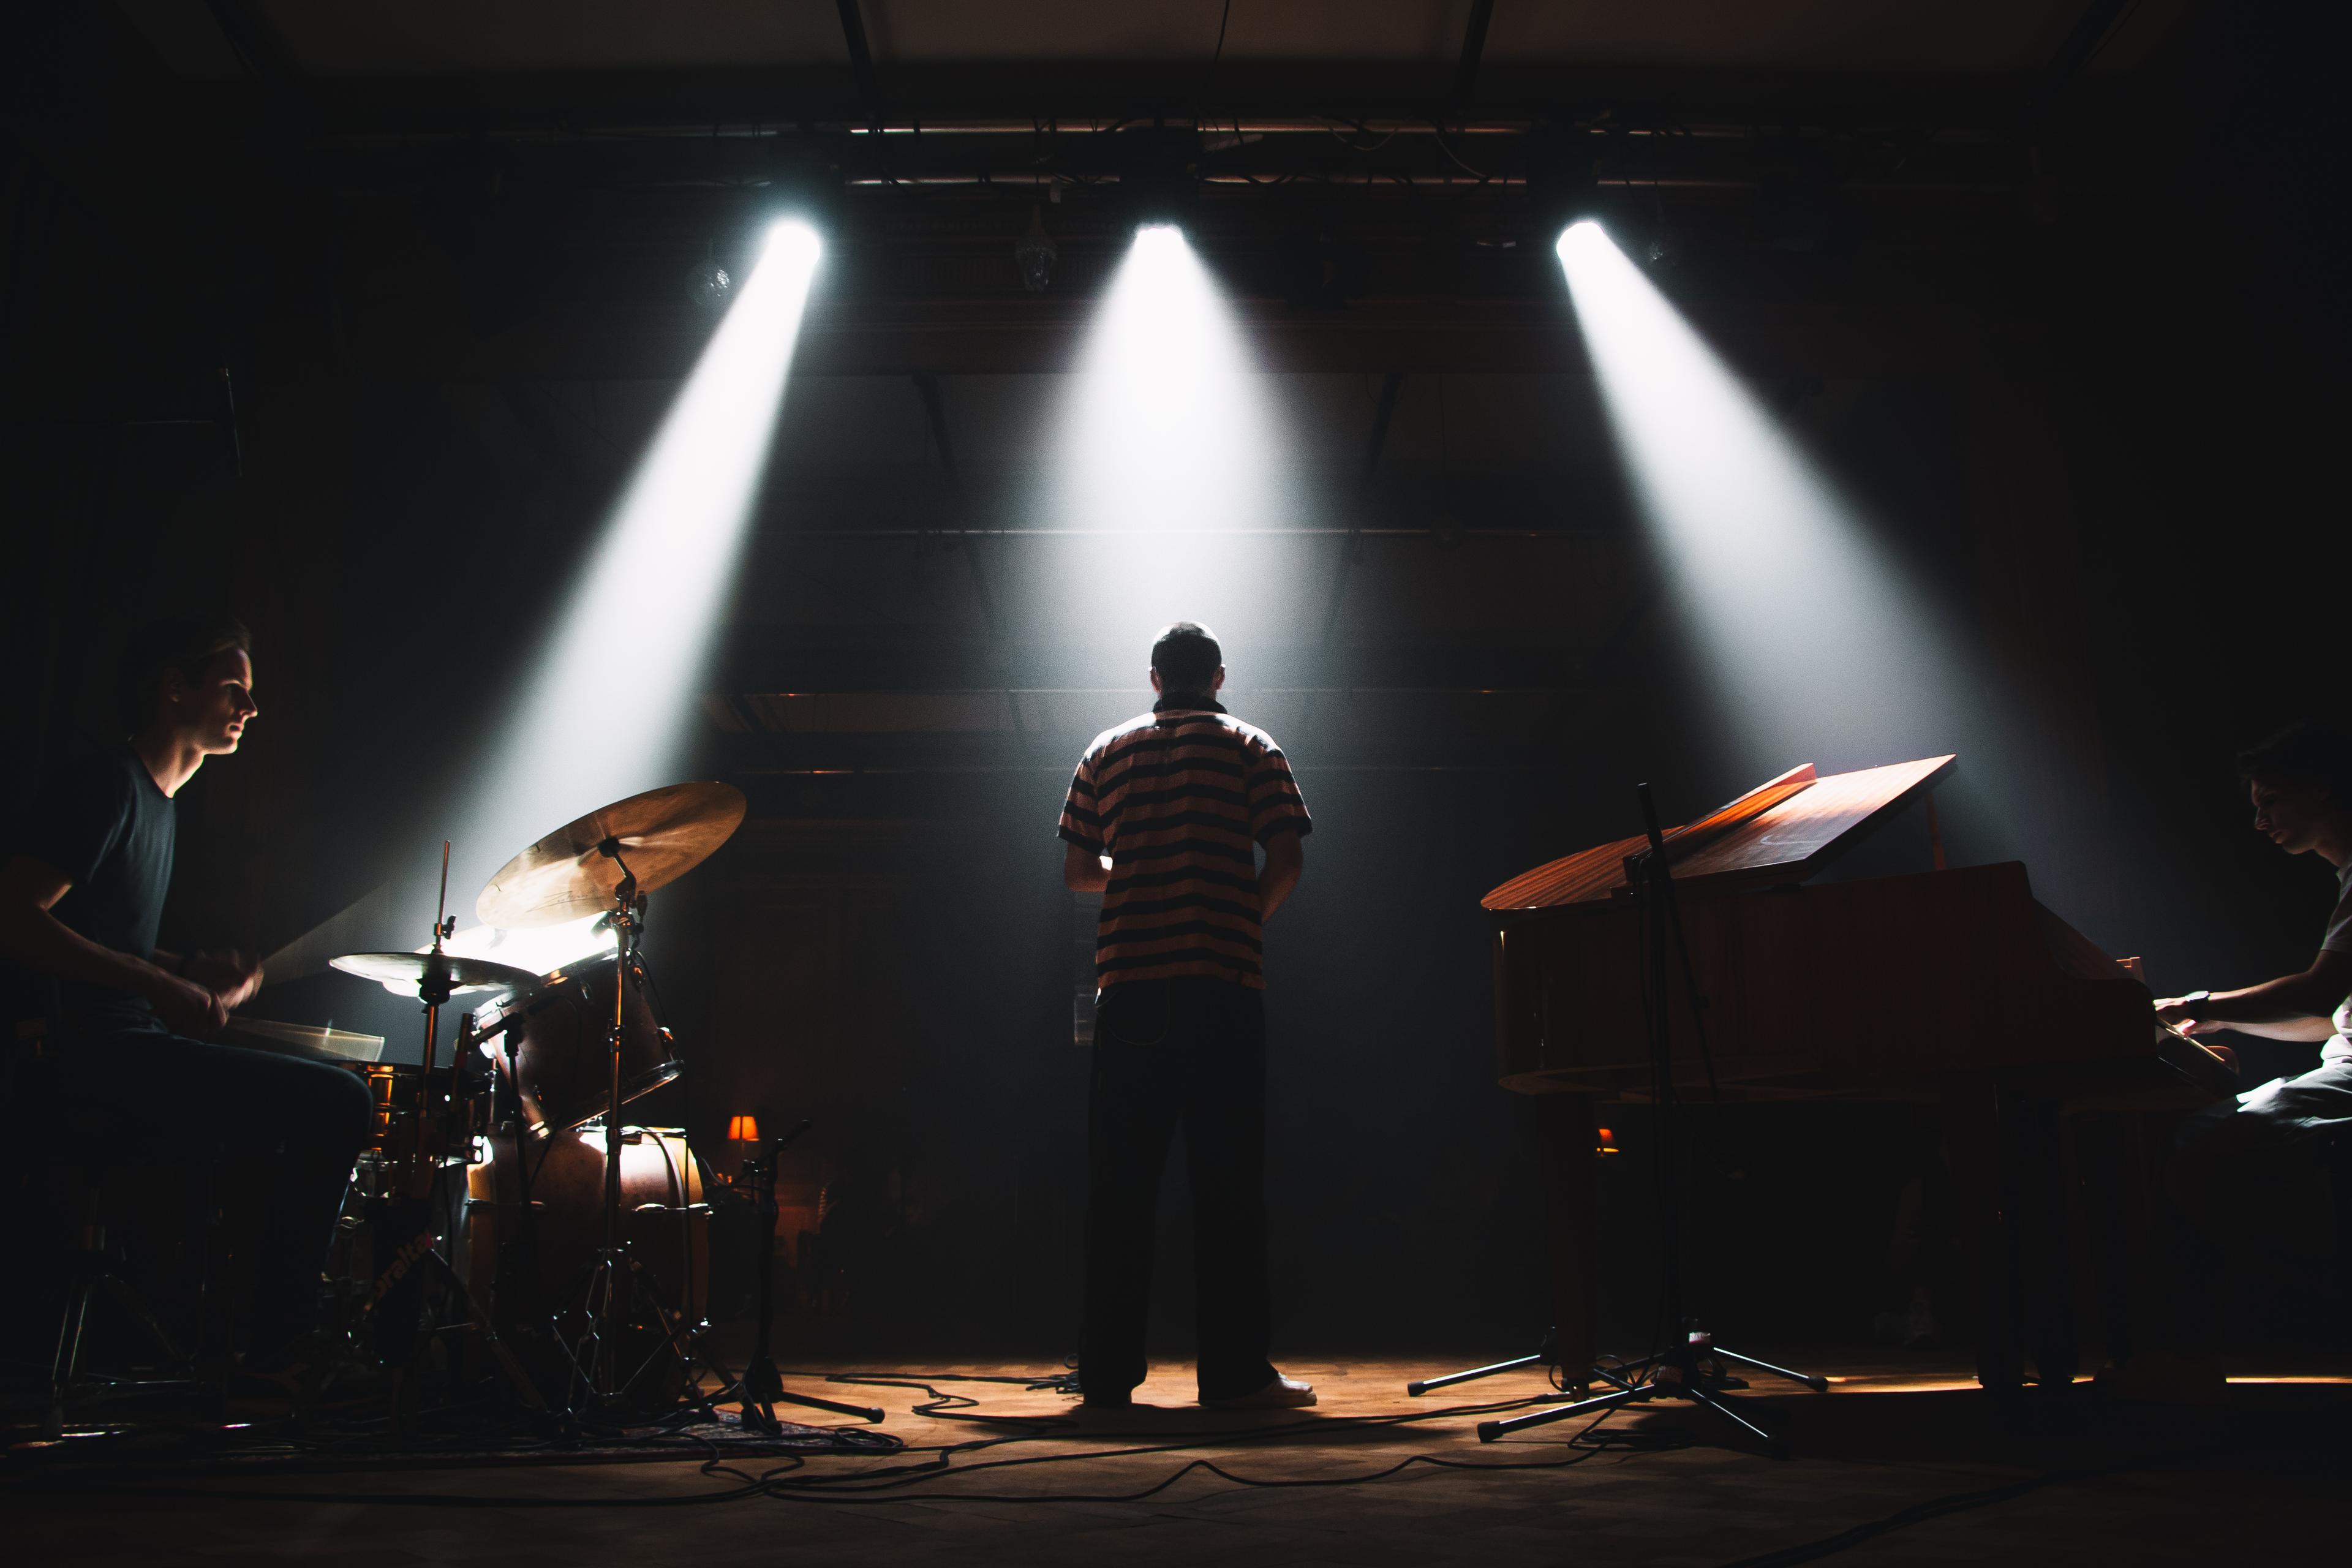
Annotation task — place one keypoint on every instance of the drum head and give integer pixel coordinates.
(563, 1061)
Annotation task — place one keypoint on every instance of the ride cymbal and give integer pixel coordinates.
(660, 835)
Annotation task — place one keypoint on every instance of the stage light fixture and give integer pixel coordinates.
(1158, 177)
(1034, 253)
(1563, 176)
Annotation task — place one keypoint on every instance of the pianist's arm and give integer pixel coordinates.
(2292, 1008)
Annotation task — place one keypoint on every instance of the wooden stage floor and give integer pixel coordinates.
(1966, 1482)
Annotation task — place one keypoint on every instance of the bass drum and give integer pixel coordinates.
(562, 1063)
(527, 1268)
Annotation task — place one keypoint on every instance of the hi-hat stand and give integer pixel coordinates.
(761, 1387)
(1691, 1367)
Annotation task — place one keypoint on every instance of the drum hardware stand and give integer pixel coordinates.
(93, 1273)
(1689, 1368)
(608, 1301)
(761, 1387)
(410, 1200)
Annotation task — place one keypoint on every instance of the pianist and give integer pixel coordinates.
(2235, 1161)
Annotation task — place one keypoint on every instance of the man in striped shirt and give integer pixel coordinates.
(1164, 820)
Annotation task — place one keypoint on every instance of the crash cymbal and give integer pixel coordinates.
(417, 969)
(662, 834)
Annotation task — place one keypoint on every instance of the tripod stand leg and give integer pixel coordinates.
(1624, 1376)
(1417, 1389)
(862, 1411)
(1813, 1380)
(67, 1358)
(1490, 1430)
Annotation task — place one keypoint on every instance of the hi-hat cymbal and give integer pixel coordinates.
(417, 969)
(662, 834)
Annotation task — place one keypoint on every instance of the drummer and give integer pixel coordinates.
(118, 1021)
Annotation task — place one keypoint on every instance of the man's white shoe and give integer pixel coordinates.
(1282, 1394)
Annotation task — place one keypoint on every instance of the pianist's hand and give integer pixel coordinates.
(2179, 1012)
(232, 977)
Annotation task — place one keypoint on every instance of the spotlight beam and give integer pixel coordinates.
(608, 708)
(1165, 429)
(1817, 647)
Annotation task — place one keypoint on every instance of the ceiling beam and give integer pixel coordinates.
(1080, 97)
(881, 660)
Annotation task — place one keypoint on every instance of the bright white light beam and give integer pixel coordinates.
(607, 713)
(1166, 430)
(1818, 650)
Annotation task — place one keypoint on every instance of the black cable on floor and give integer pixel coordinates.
(885, 1484)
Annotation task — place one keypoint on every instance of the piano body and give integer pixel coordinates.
(1953, 986)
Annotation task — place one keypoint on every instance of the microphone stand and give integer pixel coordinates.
(1691, 1366)
(761, 1387)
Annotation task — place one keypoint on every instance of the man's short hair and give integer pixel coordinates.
(1187, 656)
(187, 643)
(2310, 754)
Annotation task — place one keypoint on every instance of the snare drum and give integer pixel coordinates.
(393, 1090)
(561, 1062)
(456, 1116)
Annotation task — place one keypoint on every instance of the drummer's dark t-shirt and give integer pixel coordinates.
(100, 822)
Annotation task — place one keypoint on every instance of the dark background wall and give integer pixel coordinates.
(2101, 442)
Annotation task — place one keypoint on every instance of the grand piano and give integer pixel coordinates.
(1953, 986)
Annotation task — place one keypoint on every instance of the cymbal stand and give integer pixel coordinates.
(616, 1284)
(761, 1386)
(1690, 1367)
(433, 990)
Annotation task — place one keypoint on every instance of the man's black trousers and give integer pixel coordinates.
(1190, 1051)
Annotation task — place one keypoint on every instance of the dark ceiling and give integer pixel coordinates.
(488, 209)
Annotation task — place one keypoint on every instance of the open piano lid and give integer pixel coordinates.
(1782, 831)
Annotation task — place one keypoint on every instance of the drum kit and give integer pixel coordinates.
(575, 1249)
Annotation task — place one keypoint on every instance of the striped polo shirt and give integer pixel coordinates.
(1176, 797)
